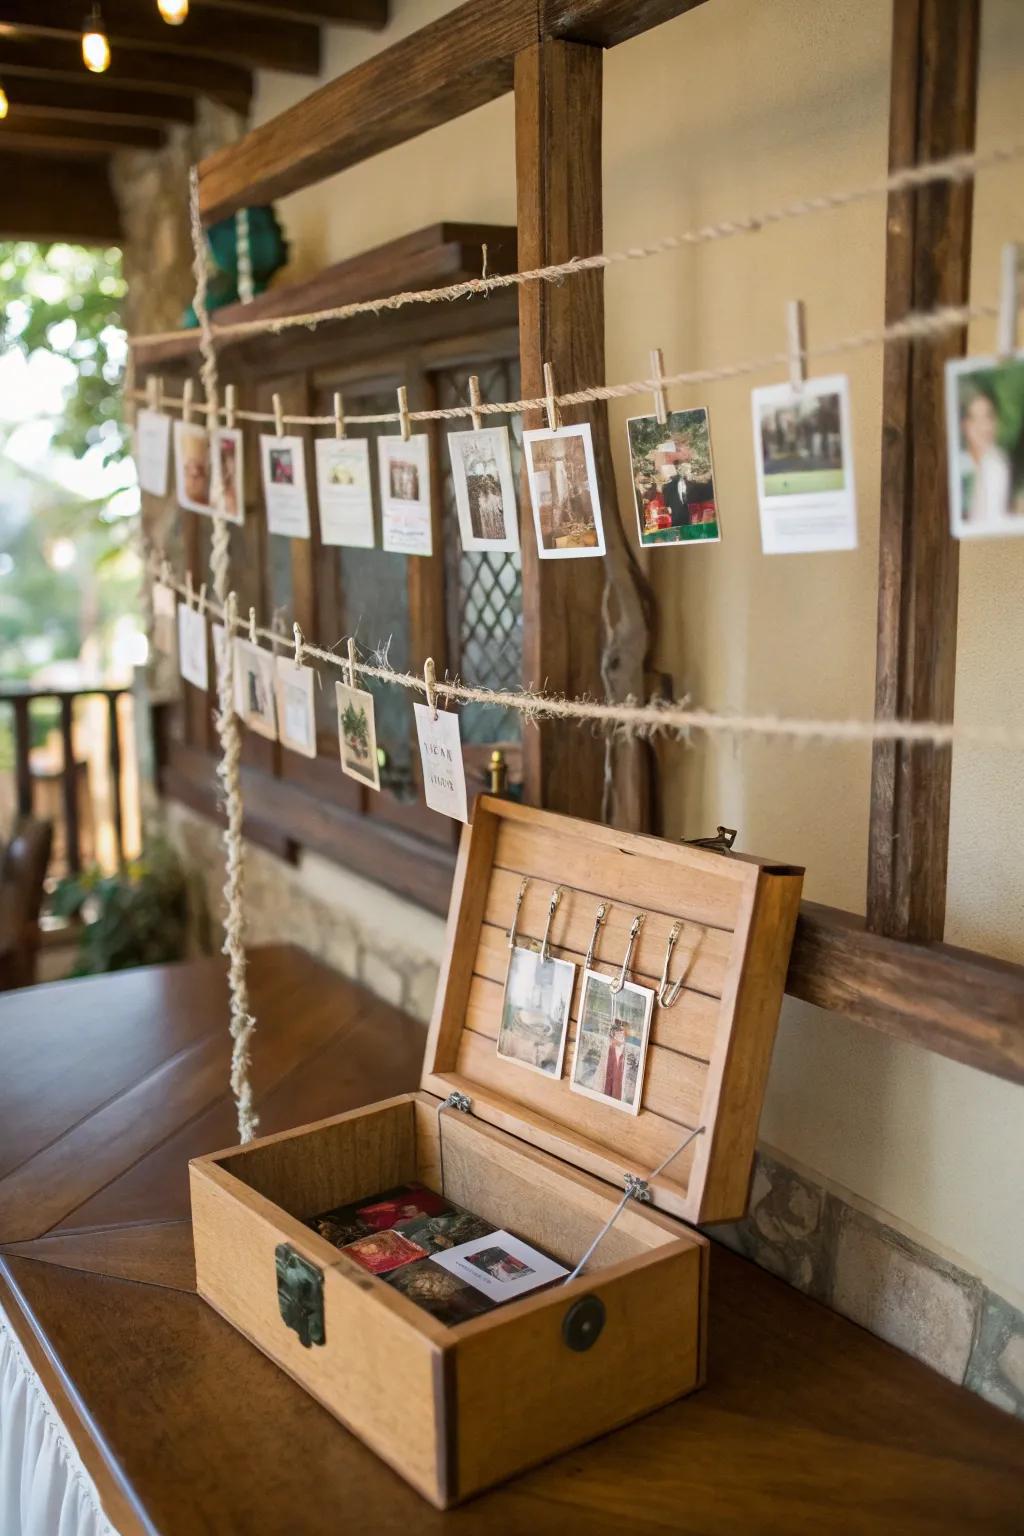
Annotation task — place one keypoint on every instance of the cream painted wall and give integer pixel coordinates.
(736, 107)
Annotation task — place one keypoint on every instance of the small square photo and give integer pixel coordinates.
(357, 735)
(803, 458)
(192, 469)
(383, 1251)
(535, 1011)
(484, 489)
(564, 492)
(255, 688)
(673, 479)
(985, 428)
(611, 1046)
(295, 706)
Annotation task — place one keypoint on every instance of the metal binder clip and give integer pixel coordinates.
(620, 980)
(515, 915)
(668, 999)
(599, 918)
(556, 896)
(722, 841)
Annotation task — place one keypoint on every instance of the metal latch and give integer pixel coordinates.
(300, 1294)
(721, 842)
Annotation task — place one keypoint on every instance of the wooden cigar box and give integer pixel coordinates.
(456, 1409)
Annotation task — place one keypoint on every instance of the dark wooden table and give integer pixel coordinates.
(108, 1086)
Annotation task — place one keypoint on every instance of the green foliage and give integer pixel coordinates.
(356, 729)
(690, 427)
(136, 917)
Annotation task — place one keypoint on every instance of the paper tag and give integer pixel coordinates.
(343, 491)
(485, 492)
(357, 735)
(500, 1265)
(804, 463)
(192, 655)
(152, 451)
(296, 714)
(444, 776)
(284, 486)
(405, 494)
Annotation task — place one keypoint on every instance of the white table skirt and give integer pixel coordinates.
(44, 1488)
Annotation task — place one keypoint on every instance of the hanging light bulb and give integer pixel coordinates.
(5, 105)
(95, 47)
(173, 11)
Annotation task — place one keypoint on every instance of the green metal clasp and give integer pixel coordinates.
(300, 1294)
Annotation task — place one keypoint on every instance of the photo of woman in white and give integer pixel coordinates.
(985, 414)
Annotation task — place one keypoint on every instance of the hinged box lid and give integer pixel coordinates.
(708, 1057)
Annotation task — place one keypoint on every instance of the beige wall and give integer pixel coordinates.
(740, 106)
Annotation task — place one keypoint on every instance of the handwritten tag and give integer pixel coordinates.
(444, 777)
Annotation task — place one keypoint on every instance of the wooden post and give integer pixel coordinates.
(69, 785)
(932, 114)
(565, 645)
(22, 761)
(114, 758)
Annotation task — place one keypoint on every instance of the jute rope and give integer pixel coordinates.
(242, 1022)
(955, 168)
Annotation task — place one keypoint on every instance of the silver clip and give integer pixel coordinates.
(620, 980)
(637, 1188)
(556, 896)
(460, 1101)
(671, 997)
(599, 917)
(515, 915)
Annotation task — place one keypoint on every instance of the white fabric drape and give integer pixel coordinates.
(44, 1488)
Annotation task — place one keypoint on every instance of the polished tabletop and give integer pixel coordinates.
(109, 1085)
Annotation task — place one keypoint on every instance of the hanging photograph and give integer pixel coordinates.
(226, 492)
(152, 451)
(611, 1044)
(444, 776)
(501, 1265)
(485, 491)
(405, 494)
(673, 479)
(564, 493)
(535, 1011)
(357, 735)
(985, 428)
(343, 491)
(192, 466)
(254, 688)
(283, 461)
(165, 618)
(804, 461)
(295, 709)
(193, 661)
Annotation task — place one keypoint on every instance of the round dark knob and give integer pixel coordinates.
(582, 1324)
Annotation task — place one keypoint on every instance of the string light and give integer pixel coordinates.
(173, 12)
(95, 47)
(5, 105)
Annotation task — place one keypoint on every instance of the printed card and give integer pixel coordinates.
(165, 618)
(343, 491)
(804, 460)
(564, 492)
(673, 479)
(501, 1266)
(611, 1042)
(295, 708)
(382, 1251)
(152, 451)
(357, 735)
(204, 468)
(405, 494)
(444, 1296)
(228, 489)
(343, 1224)
(444, 776)
(485, 491)
(192, 656)
(284, 486)
(254, 688)
(985, 430)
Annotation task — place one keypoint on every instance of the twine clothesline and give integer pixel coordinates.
(955, 168)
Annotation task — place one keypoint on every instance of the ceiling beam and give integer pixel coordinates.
(261, 42)
(48, 200)
(33, 133)
(177, 73)
(86, 102)
(372, 15)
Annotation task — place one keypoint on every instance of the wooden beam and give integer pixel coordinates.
(47, 200)
(260, 43)
(933, 112)
(28, 132)
(61, 58)
(962, 1005)
(607, 22)
(371, 15)
(86, 102)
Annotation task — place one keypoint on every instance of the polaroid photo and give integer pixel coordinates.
(357, 734)
(384, 1251)
(611, 1042)
(535, 1011)
(803, 453)
(296, 713)
(985, 433)
(283, 460)
(673, 479)
(564, 492)
(485, 489)
(444, 774)
(439, 1234)
(343, 491)
(227, 493)
(193, 659)
(165, 618)
(501, 1266)
(192, 466)
(152, 451)
(405, 494)
(254, 688)
(444, 1296)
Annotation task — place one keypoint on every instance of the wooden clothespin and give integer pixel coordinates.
(154, 391)
(403, 413)
(252, 627)
(230, 406)
(797, 344)
(351, 662)
(188, 394)
(278, 415)
(430, 679)
(660, 397)
(339, 416)
(550, 402)
(201, 604)
(474, 399)
(190, 595)
(297, 632)
(1009, 302)
(165, 572)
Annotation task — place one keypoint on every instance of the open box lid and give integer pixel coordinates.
(708, 1055)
